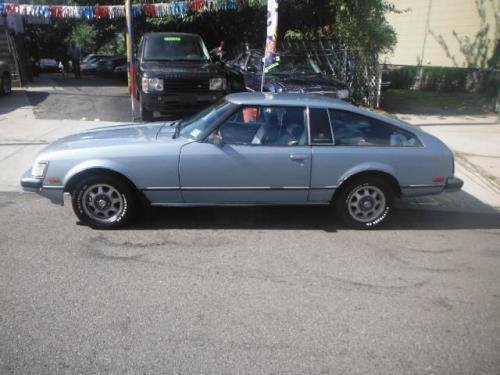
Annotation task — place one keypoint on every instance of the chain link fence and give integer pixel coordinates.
(359, 70)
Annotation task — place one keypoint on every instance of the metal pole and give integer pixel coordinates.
(130, 55)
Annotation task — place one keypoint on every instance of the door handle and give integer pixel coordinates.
(298, 157)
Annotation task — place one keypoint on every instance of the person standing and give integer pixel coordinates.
(75, 55)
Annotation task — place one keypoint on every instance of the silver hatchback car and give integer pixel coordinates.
(247, 149)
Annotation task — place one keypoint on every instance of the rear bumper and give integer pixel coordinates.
(453, 184)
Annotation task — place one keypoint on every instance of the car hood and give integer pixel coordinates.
(305, 83)
(180, 69)
(114, 136)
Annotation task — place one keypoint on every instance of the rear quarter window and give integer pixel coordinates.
(352, 129)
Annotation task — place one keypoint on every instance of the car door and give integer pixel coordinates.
(258, 155)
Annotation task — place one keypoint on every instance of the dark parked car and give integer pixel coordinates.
(48, 66)
(290, 73)
(5, 79)
(106, 66)
(176, 76)
(89, 63)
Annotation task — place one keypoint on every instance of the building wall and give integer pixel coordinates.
(427, 22)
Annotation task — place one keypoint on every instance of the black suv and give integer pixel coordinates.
(176, 76)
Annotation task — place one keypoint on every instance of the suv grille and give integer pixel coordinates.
(186, 85)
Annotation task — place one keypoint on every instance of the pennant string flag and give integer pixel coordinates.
(173, 8)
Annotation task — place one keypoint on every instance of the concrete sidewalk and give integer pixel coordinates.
(474, 139)
(22, 136)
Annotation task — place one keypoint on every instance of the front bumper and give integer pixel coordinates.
(453, 184)
(179, 103)
(30, 184)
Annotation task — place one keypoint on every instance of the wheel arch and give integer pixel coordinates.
(73, 180)
(393, 182)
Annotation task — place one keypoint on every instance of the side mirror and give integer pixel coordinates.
(216, 139)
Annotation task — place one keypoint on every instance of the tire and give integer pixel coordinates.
(145, 114)
(104, 201)
(5, 84)
(365, 202)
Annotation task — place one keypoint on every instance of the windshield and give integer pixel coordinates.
(293, 65)
(195, 126)
(174, 47)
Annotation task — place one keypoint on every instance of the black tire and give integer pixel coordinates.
(365, 202)
(145, 114)
(88, 209)
(5, 84)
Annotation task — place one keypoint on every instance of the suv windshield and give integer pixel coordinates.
(174, 47)
(293, 65)
(195, 127)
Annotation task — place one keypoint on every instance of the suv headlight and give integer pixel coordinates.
(38, 170)
(217, 84)
(343, 94)
(152, 85)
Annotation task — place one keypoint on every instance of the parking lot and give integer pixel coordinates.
(240, 290)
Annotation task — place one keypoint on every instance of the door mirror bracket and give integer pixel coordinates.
(216, 139)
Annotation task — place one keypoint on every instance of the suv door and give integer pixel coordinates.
(264, 157)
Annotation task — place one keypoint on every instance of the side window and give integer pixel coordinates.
(254, 63)
(266, 126)
(321, 132)
(352, 129)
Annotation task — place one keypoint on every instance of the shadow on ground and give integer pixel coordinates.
(17, 99)
(304, 218)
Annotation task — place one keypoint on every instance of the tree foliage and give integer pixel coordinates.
(85, 36)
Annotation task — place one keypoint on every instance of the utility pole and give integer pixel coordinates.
(130, 55)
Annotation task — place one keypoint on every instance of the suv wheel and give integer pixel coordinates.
(5, 84)
(365, 203)
(103, 201)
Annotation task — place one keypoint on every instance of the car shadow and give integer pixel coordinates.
(305, 218)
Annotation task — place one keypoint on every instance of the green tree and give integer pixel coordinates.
(85, 36)
(357, 23)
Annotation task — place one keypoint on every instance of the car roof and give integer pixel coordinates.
(286, 99)
(170, 33)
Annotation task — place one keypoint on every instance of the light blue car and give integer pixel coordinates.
(248, 149)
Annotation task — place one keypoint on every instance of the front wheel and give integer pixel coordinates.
(365, 203)
(103, 201)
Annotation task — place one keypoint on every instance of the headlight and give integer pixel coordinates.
(217, 84)
(152, 85)
(38, 169)
(343, 94)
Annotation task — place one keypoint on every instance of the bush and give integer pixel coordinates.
(403, 78)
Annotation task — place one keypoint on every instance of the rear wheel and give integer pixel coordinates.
(103, 201)
(365, 202)
(5, 84)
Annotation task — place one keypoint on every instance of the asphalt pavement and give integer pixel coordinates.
(248, 290)
(90, 98)
(275, 290)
